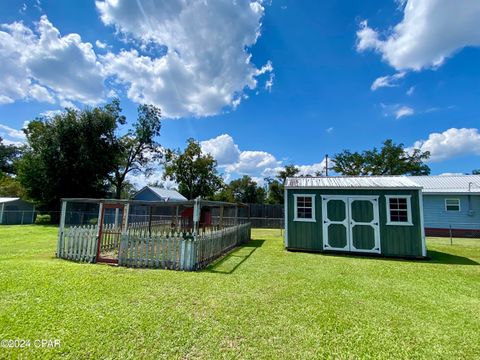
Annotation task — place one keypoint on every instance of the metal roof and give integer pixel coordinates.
(8, 199)
(166, 194)
(352, 182)
(451, 184)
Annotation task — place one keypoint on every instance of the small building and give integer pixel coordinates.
(14, 210)
(376, 215)
(451, 205)
(151, 193)
(157, 194)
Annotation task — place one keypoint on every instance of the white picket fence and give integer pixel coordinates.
(161, 249)
(179, 251)
(78, 243)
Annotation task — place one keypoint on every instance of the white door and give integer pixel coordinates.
(351, 223)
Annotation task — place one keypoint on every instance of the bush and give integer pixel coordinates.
(43, 219)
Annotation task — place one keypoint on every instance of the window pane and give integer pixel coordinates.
(304, 207)
(453, 208)
(398, 209)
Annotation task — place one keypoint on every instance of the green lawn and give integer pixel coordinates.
(259, 302)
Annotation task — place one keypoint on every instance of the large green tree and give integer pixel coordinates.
(70, 154)
(391, 159)
(138, 149)
(195, 172)
(244, 190)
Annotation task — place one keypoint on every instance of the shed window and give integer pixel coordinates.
(452, 204)
(304, 207)
(399, 210)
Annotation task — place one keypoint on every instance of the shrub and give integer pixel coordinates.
(43, 219)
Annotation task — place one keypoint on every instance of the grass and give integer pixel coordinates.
(258, 302)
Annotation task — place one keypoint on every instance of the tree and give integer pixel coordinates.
(245, 190)
(70, 154)
(11, 187)
(195, 172)
(391, 159)
(138, 149)
(276, 187)
(8, 155)
(275, 191)
(289, 171)
(476, 172)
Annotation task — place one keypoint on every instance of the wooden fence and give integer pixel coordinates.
(179, 251)
(78, 243)
(156, 249)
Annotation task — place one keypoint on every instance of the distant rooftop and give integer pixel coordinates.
(353, 182)
(451, 184)
(8, 199)
(167, 194)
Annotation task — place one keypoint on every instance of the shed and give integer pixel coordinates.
(14, 210)
(151, 193)
(377, 215)
(452, 204)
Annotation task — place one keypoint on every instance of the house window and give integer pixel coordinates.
(399, 210)
(304, 207)
(452, 204)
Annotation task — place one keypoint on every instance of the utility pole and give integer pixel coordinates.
(326, 164)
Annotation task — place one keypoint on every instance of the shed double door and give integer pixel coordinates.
(351, 223)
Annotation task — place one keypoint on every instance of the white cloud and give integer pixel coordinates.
(140, 180)
(51, 113)
(236, 162)
(452, 174)
(387, 81)
(253, 162)
(430, 32)
(42, 65)
(100, 44)
(11, 132)
(222, 148)
(404, 111)
(41, 93)
(329, 130)
(312, 169)
(410, 90)
(450, 143)
(207, 64)
(396, 110)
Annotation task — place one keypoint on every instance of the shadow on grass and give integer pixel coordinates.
(229, 263)
(433, 257)
(439, 257)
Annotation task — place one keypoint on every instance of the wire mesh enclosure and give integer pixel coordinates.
(185, 235)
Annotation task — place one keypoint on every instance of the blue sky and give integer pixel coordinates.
(260, 84)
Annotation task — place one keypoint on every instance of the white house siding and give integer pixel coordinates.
(436, 217)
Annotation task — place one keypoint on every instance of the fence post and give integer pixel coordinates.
(451, 237)
(61, 230)
(196, 216)
(1, 213)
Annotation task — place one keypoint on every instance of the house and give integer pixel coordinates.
(14, 210)
(375, 215)
(451, 204)
(151, 193)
